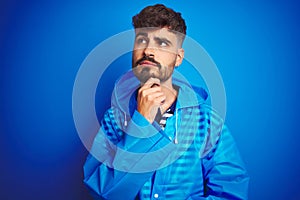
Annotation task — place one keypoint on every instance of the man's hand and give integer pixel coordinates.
(149, 99)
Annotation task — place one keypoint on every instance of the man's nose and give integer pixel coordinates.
(149, 50)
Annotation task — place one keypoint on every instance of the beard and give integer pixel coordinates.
(143, 73)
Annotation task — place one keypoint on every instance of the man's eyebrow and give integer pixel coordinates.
(141, 34)
(162, 39)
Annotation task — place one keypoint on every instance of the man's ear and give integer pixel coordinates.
(179, 57)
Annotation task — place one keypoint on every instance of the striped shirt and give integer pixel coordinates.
(161, 119)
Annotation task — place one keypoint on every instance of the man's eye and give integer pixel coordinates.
(141, 41)
(163, 44)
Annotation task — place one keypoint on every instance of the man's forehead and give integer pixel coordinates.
(157, 32)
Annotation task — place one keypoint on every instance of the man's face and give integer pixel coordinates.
(156, 53)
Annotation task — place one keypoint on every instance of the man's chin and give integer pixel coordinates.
(145, 78)
(143, 75)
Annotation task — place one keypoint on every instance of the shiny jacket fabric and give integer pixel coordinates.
(194, 157)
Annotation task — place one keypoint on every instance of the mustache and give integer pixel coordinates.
(148, 58)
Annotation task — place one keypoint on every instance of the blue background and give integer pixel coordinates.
(255, 45)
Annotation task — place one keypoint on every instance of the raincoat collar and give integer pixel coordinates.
(127, 85)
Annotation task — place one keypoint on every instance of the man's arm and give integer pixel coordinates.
(108, 183)
(121, 174)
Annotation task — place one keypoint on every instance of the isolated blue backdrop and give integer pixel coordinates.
(255, 45)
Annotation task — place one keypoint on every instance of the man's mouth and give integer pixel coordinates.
(147, 63)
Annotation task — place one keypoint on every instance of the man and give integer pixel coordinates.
(159, 139)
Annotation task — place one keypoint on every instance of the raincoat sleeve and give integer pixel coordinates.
(117, 165)
(225, 176)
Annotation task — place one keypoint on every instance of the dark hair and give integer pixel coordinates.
(159, 16)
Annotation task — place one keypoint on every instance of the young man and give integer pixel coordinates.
(159, 140)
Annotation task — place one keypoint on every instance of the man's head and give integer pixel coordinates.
(160, 32)
(161, 17)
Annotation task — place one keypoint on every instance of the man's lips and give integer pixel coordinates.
(148, 63)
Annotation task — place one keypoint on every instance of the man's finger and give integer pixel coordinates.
(151, 82)
(148, 91)
(160, 100)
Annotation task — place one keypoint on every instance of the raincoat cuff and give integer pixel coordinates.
(139, 119)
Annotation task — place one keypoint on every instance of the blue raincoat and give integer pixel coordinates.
(194, 157)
